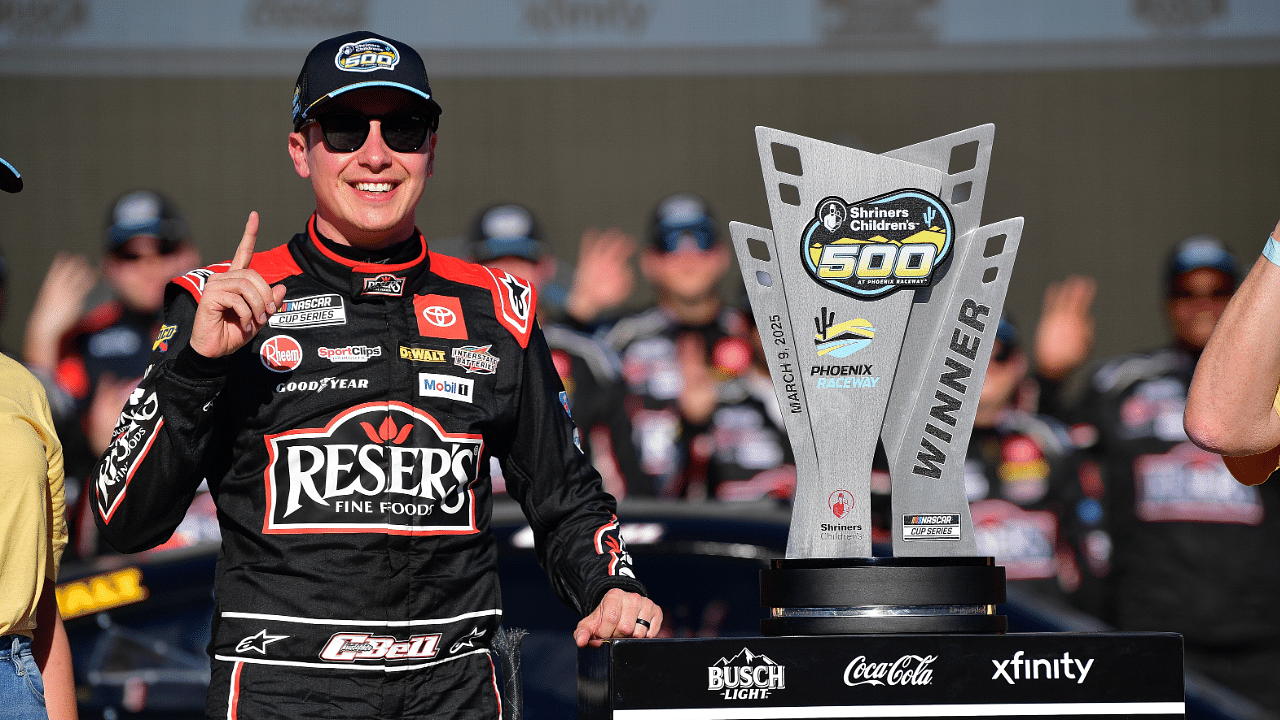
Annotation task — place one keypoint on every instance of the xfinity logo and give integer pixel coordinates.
(1024, 668)
(350, 647)
(445, 386)
(906, 670)
(746, 676)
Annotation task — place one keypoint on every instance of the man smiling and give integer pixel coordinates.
(311, 385)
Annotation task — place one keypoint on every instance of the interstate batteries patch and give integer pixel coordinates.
(870, 248)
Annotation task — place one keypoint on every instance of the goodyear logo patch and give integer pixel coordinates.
(873, 247)
(367, 55)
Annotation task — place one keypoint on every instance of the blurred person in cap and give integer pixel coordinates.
(95, 339)
(1194, 551)
(96, 353)
(678, 355)
(36, 678)
(507, 237)
(343, 394)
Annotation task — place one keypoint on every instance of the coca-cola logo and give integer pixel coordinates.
(281, 354)
(906, 670)
(377, 467)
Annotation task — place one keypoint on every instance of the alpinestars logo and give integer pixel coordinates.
(378, 467)
(350, 647)
(746, 676)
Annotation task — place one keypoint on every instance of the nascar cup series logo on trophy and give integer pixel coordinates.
(878, 293)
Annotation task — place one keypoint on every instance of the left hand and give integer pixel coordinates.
(615, 617)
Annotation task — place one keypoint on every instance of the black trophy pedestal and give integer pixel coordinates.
(1064, 675)
(837, 596)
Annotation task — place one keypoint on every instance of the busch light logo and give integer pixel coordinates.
(352, 646)
(873, 247)
(906, 670)
(746, 676)
(378, 467)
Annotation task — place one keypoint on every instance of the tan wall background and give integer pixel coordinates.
(1109, 167)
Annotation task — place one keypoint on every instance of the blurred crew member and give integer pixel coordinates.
(1194, 551)
(507, 237)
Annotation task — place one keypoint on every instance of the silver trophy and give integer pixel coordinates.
(877, 296)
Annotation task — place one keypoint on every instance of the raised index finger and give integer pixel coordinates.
(244, 252)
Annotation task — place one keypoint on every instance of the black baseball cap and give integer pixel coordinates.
(506, 230)
(680, 216)
(1197, 252)
(359, 60)
(144, 212)
(10, 179)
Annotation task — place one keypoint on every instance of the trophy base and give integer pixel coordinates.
(845, 596)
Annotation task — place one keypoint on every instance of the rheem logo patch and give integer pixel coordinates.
(281, 354)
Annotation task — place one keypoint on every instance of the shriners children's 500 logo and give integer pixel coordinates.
(873, 247)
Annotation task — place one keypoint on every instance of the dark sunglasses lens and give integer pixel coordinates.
(344, 132)
(404, 133)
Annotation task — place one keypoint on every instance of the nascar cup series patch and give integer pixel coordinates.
(367, 55)
(872, 247)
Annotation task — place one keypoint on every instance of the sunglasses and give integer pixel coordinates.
(163, 248)
(1184, 294)
(345, 132)
(671, 240)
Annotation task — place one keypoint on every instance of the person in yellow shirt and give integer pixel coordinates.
(36, 680)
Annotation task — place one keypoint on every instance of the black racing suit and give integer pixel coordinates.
(739, 447)
(1195, 551)
(347, 447)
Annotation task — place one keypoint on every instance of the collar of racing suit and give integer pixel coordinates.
(402, 271)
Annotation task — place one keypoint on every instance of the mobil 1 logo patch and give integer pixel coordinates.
(445, 386)
(311, 311)
(873, 247)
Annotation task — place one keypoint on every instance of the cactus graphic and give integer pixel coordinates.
(824, 321)
(929, 215)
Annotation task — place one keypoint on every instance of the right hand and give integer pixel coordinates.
(58, 307)
(604, 278)
(236, 304)
(1064, 337)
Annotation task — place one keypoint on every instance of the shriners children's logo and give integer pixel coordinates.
(873, 247)
(367, 55)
